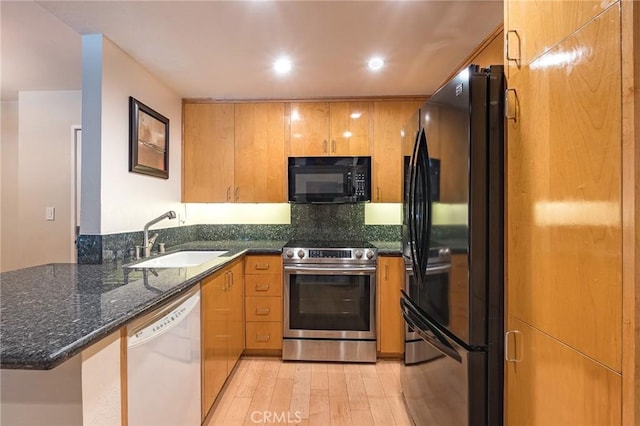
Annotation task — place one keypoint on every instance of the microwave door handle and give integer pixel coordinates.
(426, 332)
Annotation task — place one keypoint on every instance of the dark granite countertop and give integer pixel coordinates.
(49, 313)
(388, 248)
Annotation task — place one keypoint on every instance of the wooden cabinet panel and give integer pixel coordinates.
(330, 128)
(552, 384)
(263, 264)
(264, 308)
(541, 24)
(236, 316)
(563, 189)
(263, 285)
(309, 129)
(350, 129)
(387, 168)
(215, 313)
(208, 153)
(390, 277)
(264, 335)
(222, 313)
(259, 153)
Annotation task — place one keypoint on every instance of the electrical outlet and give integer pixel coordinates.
(50, 213)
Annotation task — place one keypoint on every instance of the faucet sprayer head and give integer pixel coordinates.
(171, 214)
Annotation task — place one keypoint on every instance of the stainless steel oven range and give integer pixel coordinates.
(329, 301)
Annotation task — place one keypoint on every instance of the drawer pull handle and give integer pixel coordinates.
(262, 266)
(263, 287)
(263, 311)
(263, 337)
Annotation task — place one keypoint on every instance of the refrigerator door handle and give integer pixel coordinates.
(420, 207)
(426, 332)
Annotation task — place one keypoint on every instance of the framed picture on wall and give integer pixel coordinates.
(148, 140)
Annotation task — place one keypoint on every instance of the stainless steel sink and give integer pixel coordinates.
(180, 259)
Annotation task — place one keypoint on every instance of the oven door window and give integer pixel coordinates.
(330, 302)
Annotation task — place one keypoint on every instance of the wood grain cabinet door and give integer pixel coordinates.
(260, 162)
(549, 383)
(351, 128)
(390, 277)
(389, 119)
(215, 341)
(208, 153)
(309, 129)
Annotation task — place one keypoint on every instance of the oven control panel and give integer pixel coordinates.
(329, 255)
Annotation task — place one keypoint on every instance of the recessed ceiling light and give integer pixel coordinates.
(282, 66)
(375, 63)
(356, 115)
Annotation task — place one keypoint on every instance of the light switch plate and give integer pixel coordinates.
(50, 213)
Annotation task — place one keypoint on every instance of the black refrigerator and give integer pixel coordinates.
(454, 197)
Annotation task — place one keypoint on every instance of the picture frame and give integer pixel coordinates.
(148, 140)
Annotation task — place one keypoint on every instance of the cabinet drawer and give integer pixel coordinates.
(268, 264)
(264, 308)
(264, 335)
(263, 285)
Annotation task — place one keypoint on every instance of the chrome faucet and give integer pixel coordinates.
(149, 243)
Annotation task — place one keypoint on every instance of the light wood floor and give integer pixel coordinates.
(269, 391)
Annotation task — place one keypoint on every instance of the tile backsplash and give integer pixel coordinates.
(320, 222)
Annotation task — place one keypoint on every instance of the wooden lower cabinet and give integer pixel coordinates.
(222, 297)
(549, 383)
(390, 324)
(263, 302)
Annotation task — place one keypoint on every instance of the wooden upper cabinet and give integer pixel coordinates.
(309, 129)
(208, 153)
(390, 119)
(351, 128)
(531, 27)
(330, 128)
(260, 153)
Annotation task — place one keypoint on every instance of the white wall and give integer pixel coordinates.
(126, 200)
(9, 257)
(37, 173)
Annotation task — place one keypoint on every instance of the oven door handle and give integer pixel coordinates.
(330, 269)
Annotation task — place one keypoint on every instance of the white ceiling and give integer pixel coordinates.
(225, 49)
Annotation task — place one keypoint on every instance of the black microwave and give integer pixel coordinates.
(329, 179)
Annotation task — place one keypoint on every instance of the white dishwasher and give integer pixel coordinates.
(163, 365)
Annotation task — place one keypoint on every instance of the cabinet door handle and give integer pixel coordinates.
(324, 146)
(517, 59)
(263, 337)
(378, 192)
(262, 266)
(237, 193)
(386, 272)
(263, 311)
(333, 146)
(228, 193)
(263, 287)
(514, 115)
(506, 346)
